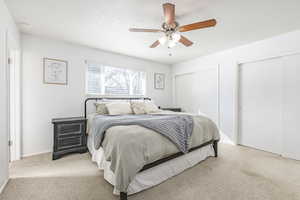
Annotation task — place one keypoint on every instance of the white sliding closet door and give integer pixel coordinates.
(208, 93)
(185, 95)
(270, 105)
(291, 107)
(199, 92)
(261, 105)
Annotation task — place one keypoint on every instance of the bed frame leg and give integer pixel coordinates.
(123, 196)
(215, 145)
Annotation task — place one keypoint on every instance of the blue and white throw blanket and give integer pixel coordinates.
(177, 128)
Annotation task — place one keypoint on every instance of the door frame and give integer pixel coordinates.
(13, 70)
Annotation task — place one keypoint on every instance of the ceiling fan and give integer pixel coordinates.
(171, 28)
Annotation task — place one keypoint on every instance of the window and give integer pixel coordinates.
(107, 80)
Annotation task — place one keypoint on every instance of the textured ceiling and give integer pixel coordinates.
(104, 24)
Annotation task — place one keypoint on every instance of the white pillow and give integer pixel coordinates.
(138, 107)
(150, 107)
(119, 108)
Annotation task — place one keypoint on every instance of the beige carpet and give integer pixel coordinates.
(238, 174)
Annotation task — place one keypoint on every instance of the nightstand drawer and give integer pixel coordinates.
(70, 128)
(69, 136)
(69, 142)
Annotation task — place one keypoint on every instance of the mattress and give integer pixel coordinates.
(153, 176)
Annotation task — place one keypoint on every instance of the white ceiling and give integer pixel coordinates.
(104, 24)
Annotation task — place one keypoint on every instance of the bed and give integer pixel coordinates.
(135, 157)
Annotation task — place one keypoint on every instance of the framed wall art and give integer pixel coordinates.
(55, 71)
(159, 81)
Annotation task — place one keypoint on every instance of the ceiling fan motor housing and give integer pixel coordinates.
(170, 27)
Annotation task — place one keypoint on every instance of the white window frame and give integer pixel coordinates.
(102, 94)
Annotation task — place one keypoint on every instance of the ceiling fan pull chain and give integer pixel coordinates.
(170, 52)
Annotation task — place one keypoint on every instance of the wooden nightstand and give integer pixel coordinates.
(172, 109)
(69, 136)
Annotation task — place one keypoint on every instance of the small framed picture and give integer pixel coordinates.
(55, 71)
(159, 81)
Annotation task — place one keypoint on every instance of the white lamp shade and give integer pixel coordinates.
(172, 43)
(176, 37)
(163, 40)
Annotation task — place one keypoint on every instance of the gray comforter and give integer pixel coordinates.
(130, 147)
(177, 128)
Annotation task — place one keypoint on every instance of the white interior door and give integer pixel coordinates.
(198, 92)
(14, 98)
(11, 108)
(291, 107)
(261, 105)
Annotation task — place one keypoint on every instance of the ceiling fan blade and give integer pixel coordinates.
(169, 12)
(186, 42)
(155, 44)
(198, 25)
(145, 30)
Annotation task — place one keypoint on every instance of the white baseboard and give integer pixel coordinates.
(3, 186)
(35, 154)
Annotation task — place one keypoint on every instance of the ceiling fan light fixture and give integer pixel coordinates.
(176, 37)
(163, 40)
(172, 43)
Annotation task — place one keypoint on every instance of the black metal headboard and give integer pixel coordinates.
(111, 98)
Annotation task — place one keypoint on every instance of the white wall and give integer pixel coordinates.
(228, 61)
(43, 102)
(7, 26)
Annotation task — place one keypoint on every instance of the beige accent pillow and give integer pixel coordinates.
(101, 108)
(138, 107)
(119, 108)
(150, 107)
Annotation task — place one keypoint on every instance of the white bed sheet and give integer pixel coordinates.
(152, 176)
